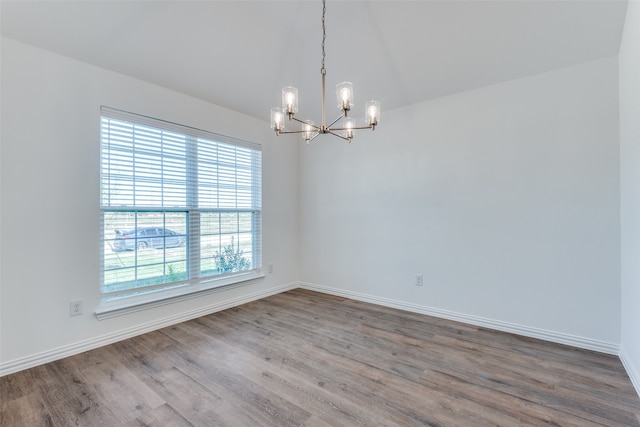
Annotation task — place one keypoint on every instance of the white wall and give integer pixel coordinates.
(50, 210)
(630, 190)
(505, 198)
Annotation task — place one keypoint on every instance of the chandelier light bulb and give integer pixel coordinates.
(373, 113)
(290, 100)
(308, 129)
(345, 96)
(349, 125)
(277, 119)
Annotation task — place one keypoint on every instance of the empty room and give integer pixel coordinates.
(320, 213)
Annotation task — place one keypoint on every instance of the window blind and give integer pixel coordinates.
(178, 204)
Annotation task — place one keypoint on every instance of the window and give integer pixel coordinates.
(180, 207)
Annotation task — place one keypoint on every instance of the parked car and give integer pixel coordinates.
(147, 237)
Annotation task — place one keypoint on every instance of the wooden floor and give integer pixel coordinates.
(303, 358)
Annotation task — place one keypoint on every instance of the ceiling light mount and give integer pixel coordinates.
(344, 94)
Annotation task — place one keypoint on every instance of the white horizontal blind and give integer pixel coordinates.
(178, 204)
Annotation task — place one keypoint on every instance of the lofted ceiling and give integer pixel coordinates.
(239, 54)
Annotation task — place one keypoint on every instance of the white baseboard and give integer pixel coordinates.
(557, 337)
(631, 370)
(90, 344)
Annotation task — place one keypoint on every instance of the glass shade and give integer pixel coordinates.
(372, 113)
(290, 100)
(277, 119)
(309, 130)
(349, 124)
(344, 93)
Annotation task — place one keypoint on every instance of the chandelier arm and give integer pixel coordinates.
(305, 123)
(291, 131)
(354, 128)
(313, 137)
(338, 135)
(335, 121)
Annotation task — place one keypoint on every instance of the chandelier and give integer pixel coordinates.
(342, 127)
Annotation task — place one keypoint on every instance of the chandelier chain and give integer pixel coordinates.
(324, 35)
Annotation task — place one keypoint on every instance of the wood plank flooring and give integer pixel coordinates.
(307, 359)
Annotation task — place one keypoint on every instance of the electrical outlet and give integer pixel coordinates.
(270, 268)
(75, 307)
(419, 280)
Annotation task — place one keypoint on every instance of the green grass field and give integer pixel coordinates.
(147, 267)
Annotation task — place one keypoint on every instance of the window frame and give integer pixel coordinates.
(124, 301)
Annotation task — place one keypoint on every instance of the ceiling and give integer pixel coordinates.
(239, 54)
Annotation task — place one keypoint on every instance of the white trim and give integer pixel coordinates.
(85, 345)
(557, 337)
(126, 305)
(79, 347)
(631, 370)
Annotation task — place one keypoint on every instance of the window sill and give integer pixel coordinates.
(126, 305)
